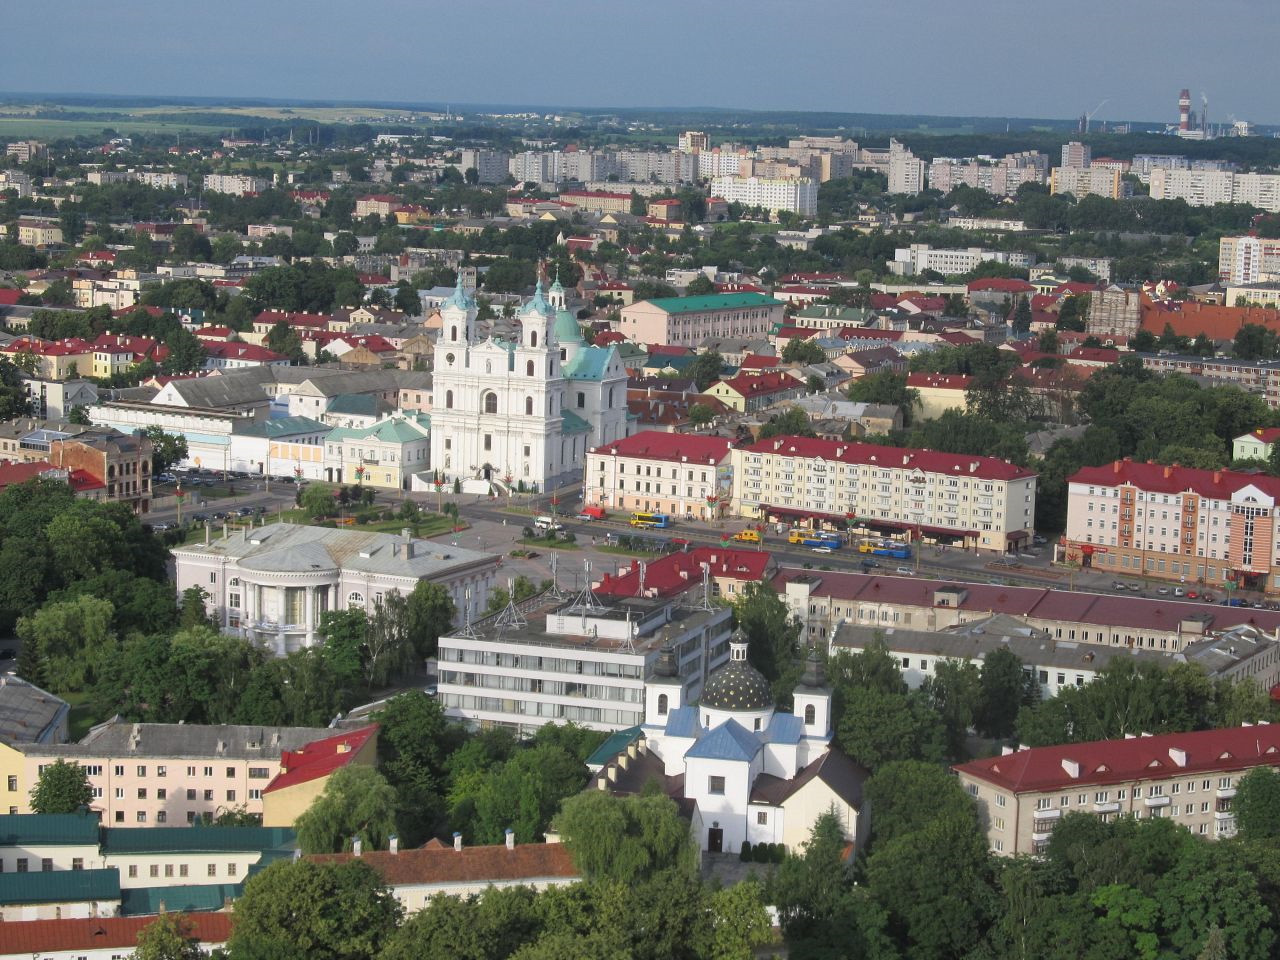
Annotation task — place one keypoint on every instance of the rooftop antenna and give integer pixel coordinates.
(640, 590)
(625, 643)
(703, 601)
(468, 630)
(555, 592)
(585, 602)
(510, 617)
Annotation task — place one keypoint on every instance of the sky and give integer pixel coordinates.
(1023, 58)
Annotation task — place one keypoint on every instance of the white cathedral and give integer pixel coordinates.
(741, 769)
(526, 408)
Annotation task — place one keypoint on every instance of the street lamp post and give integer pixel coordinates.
(438, 482)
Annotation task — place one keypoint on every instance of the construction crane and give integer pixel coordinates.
(1088, 117)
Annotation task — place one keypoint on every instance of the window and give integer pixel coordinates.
(528, 406)
(582, 399)
(762, 818)
(191, 794)
(662, 704)
(182, 869)
(142, 793)
(46, 865)
(133, 870)
(448, 399)
(231, 869)
(119, 816)
(208, 796)
(208, 771)
(488, 441)
(162, 817)
(168, 869)
(715, 785)
(142, 816)
(213, 870)
(259, 773)
(231, 771)
(231, 796)
(810, 714)
(22, 864)
(528, 368)
(490, 402)
(155, 870)
(162, 771)
(1000, 800)
(77, 863)
(13, 784)
(162, 794)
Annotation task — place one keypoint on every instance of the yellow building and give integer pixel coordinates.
(305, 773)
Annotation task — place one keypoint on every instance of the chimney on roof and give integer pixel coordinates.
(357, 846)
(1217, 476)
(511, 838)
(457, 841)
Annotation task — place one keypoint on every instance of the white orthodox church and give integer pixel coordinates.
(741, 769)
(526, 408)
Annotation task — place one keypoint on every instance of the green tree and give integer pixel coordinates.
(909, 794)
(494, 924)
(1020, 322)
(1255, 342)
(705, 369)
(799, 350)
(171, 936)
(1257, 804)
(285, 340)
(887, 387)
(321, 911)
(70, 638)
(699, 286)
(317, 500)
(166, 449)
(186, 352)
(522, 793)
(954, 690)
(772, 637)
(357, 802)
(700, 414)
(875, 727)
(1003, 691)
(625, 838)
(430, 614)
(792, 422)
(62, 787)
(388, 651)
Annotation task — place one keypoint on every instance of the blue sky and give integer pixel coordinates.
(981, 57)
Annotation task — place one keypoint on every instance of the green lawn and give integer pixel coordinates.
(431, 524)
(19, 127)
(539, 544)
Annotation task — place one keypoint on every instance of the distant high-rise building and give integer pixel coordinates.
(1076, 154)
(1248, 260)
(906, 172)
(797, 195)
(1083, 182)
(692, 141)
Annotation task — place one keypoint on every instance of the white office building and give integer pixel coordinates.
(798, 195)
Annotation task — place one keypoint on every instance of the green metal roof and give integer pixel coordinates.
(573, 423)
(713, 301)
(614, 745)
(48, 829)
(140, 901)
(125, 840)
(589, 363)
(392, 430)
(363, 404)
(283, 427)
(59, 886)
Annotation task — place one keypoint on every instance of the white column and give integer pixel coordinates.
(309, 601)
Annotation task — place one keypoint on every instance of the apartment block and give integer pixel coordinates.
(1000, 177)
(971, 502)
(236, 184)
(688, 321)
(677, 474)
(491, 166)
(584, 661)
(915, 259)
(1202, 188)
(1077, 155)
(1088, 181)
(1216, 527)
(1248, 259)
(791, 194)
(1190, 778)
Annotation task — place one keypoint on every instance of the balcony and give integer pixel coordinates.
(1225, 793)
(1157, 801)
(1110, 807)
(1051, 814)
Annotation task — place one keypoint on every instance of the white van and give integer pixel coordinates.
(547, 523)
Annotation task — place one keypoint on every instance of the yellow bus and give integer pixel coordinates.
(650, 520)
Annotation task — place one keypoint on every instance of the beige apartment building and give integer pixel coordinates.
(1190, 778)
(688, 321)
(39, 233)
(144, 774)
(676, 474)
(971, 502)
(1087, 181)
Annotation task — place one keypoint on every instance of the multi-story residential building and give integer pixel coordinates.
(383, 204)
(1077, 155)
(722, 162)
(118, 293)
(120, 461)
(1088, 181)
(1189, 778)
(1257, 445)
(668, 167)
(24, 151)
(598, 201)
(147, 774)
(273, 584)
(491, 166)
(1000, 177)
(752, 392)
(1257, 376)
(794, 194)
(688, 321)
(536, 166)
(585, 661)
(692, 141)
(1100, 267)
(38, 233)
(161, 179)
(236, 184)
(677, 474)
(915, 259)
(1261, 294)
(1245, 654)
(55, 399)
(906, 171)
(1176, 523)
(1114, 312)
(1202, 188)
(822, 601)
(1248, 259)
(385, 454)
(17, 181)
(973, 502)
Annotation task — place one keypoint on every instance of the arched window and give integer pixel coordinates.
(528, 406)
(448, 399)
(662, 704)
(453, 332)
(490, 402)
(528, 369)
(533, 338)
(355, 599)
(810, 714)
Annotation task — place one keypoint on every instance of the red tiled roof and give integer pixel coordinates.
(614, 285)
(804, 277)
(9, 297)
(944, 381)
(226, 350)
(373, 279)
(668, 350)
(797, 333)
(677, 572)
(756, 362)
(12, 471)
(125, 311)
(1159, 478)
(1138, 758)
(929, 461)
(594, 195)
(764, 382)
(319, 758)
(102, 933)
(436, 863)
(1094, 354)
(1266, 434)
(655, 445)
(214, 332)
(374, 343)
(1214, 321)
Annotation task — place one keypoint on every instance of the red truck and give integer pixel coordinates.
(592, 513)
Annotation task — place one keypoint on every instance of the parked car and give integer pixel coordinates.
(870, 564)
(200, 518)
(1179, 592)
(1163, 591)
(747, 536)
(222, 515)
(245, 512)
(585, 517)
(821, 549)
(1039, 540)
(1119, 585)
(905, 571)
(161, 526)
(1192, 595)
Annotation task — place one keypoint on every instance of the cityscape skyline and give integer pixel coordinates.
(297, 51)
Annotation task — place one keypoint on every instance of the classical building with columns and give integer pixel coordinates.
(271, 584)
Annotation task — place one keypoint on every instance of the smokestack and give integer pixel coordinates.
(1184, 110)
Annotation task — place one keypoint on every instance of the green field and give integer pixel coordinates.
(20, 127)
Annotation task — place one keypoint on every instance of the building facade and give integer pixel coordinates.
(791, 194)
(1190, 778)
(1248, 259)
(973, 502)
(677, 474)
(1114, 312)
(688, 321)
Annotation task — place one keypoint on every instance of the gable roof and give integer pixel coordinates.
(52, 829)
(440, 864)
(319, 758)
(1161, 478)
(59, 886)
(656, 445)
(729, 741)
(928, 461)
(845, 777)
(713, 301)
(127, 840)
(101, 933)
(1118, 761)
